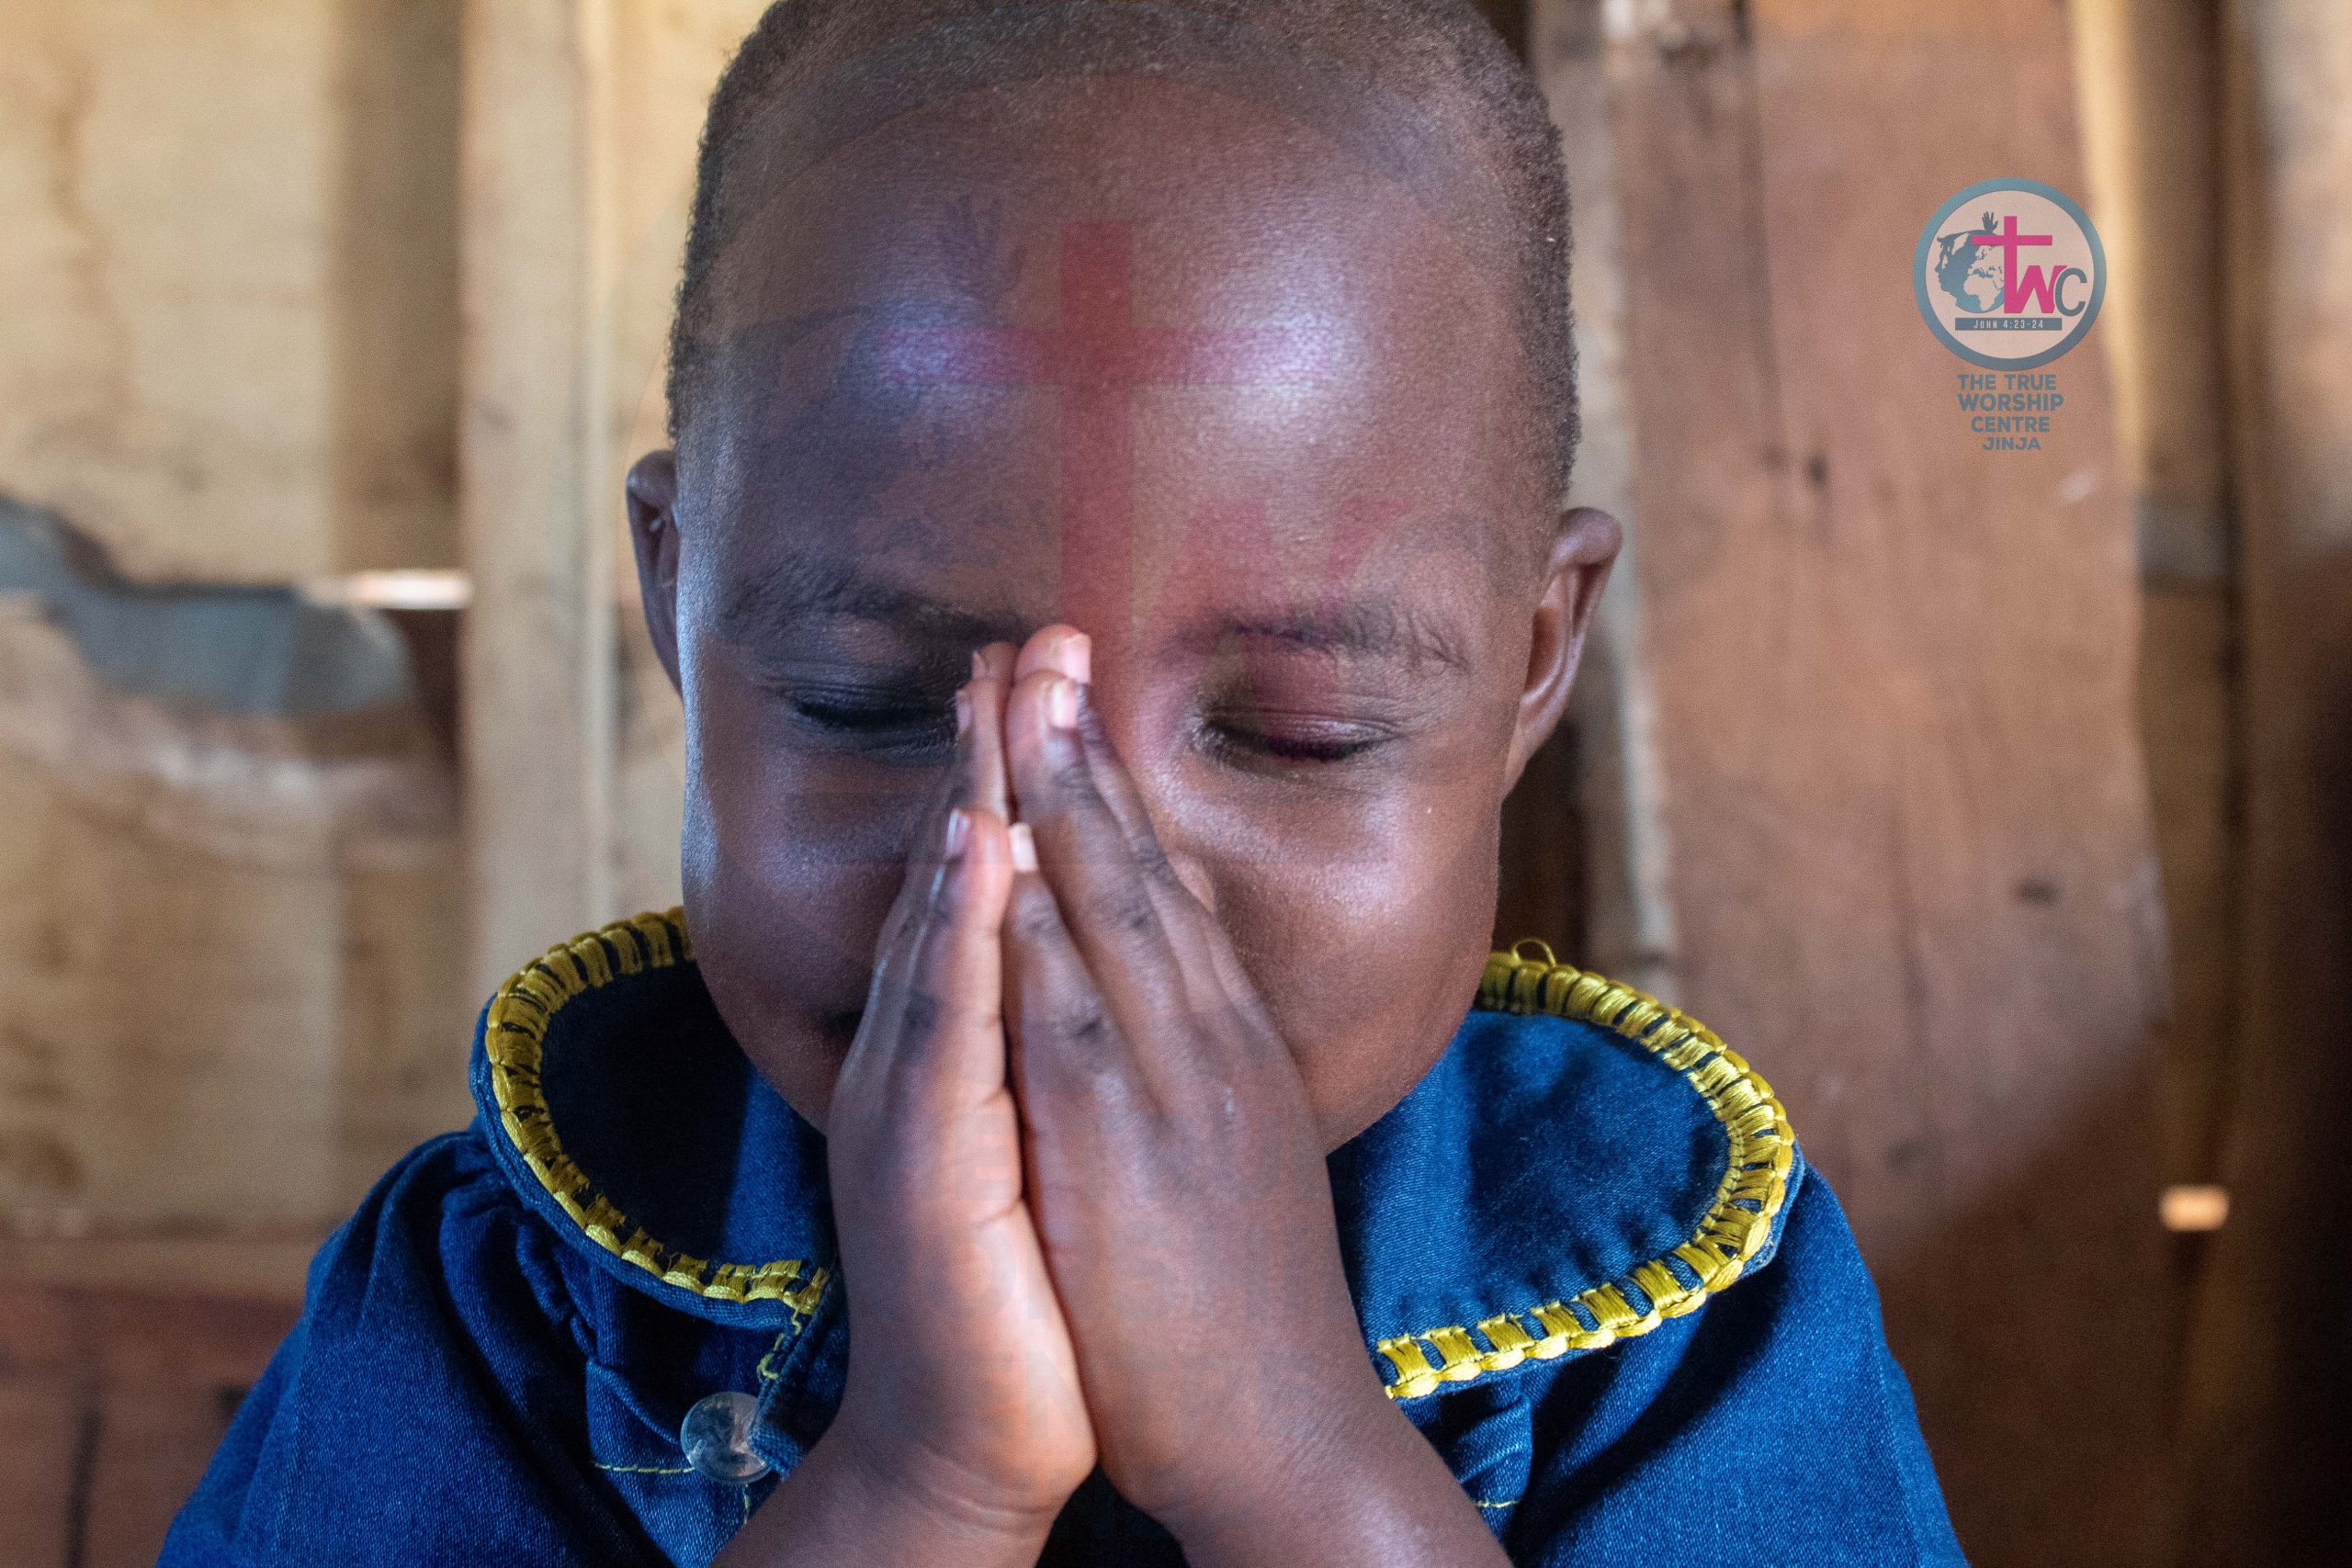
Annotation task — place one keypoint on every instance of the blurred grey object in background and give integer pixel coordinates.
(260, 649)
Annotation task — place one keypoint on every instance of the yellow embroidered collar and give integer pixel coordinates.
(1698, 1149)
(515, 1041)
(1735, 1228)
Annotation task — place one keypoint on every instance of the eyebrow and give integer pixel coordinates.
(1363, 629)
(798, 588)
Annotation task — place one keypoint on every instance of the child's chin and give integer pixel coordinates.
(801, 1063)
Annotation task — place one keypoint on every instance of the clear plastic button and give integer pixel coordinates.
(716, 1436)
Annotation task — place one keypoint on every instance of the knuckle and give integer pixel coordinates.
(1149, 858)
(1083, 1025)
(1126, 907)
(1156, 869)
(1072, 780)
(1069, 1017)
(921, 1013)
(1033, 918)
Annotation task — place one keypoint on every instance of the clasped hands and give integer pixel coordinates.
(1082, 1206)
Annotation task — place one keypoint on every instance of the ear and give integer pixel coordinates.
(653, 531)
(1576, 567)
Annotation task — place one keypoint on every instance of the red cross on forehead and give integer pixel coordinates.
(1095, 358)
(1098, 343)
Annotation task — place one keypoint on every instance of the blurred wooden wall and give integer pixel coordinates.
(1909, 860)
(295, 289)
(581, 118)
(1943, 739)
(2269, 1397)
(230, 943)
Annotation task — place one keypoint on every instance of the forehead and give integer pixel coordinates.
(1029, 326)
(1238, 212)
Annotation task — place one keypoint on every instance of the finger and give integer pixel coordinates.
(1189, 931)
(901, 928)
(1059, 648)
(1068, 651)
(1106, 891)
(1112, 782)
(1193, 928)
(943, 837)
(949, 1038)
(992, 668)
(933, 1021)
(1181, 909)
(975, 781)
(1057, 1021)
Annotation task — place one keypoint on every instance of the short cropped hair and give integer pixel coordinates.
(1440, 56)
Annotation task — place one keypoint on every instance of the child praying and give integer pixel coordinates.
(1113, 559)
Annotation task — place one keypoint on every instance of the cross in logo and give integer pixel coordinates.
(2016, 292)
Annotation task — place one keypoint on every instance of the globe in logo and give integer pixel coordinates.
(2009, 274)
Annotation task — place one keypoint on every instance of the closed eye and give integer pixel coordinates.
(900, 723)
(1262, 740)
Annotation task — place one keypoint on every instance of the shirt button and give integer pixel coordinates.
(716, 1436)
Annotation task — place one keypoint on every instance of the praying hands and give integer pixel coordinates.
(1084, 1210)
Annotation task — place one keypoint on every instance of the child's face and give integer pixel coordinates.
(1160, 365)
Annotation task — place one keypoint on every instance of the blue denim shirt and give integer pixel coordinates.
(1588, 1261)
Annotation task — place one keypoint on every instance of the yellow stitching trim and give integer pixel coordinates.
(647, 1469)
(515, 1038)
(1500, 1503)
(1732, 1230)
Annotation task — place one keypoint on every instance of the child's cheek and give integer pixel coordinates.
(789, 868)
(1365, 931)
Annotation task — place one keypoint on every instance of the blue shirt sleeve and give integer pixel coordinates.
(426, 1408)
(1770, 1427)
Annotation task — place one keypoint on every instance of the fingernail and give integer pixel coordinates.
(1074, 657)
(979, 665)
(959, 827)
(1061, 704)
(963, 710)
(1025, 847)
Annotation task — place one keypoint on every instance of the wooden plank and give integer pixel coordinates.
(1911, 867)
(2151, 75)
(111, 1403)
(264, 1269)
(580, 125)
(1541, 892)
(2269, 1415)
(227, 354)
(147, 1338)
(1625, 927)
(536, 664)
(2189, 712)
(41, 1422)
(392, 404)
(150, 1447)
